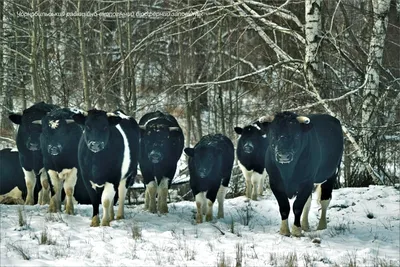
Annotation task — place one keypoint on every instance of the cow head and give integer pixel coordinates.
(286, 135)
(250, 137)
(55, 130)
(96, 125)
(156, 141)
(29, 129)
(204, 158)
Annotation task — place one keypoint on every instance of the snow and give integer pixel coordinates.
(144, 239)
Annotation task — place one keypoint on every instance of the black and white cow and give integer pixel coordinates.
(30, 155)
(250, 151)
(210, 168)
(59, 141)
(161, 145)
(11, 174)
(108, 154)
(302, 151)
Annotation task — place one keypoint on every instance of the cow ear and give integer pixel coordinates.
(189, 151)
(79, 118)
(114, 120)
(15, 118)
(238, 130)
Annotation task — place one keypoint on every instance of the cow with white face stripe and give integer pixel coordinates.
(302, 151)
(59, 141)
(250, 151)
(30, 155)
(161, 147)
(108, 155)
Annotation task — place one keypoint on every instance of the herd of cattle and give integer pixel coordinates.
(93, 155)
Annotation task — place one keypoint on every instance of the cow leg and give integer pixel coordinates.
(107, 199)
(70, 177)
(211, 196)
(262, 182)
(298, 205)
(152, 191)
(221, 197)
(55, 201)
(44, 181)
(201, 205)
(284, 206)
(247, 176)
(146, 198)
(162, 192)
(304, 219)
(324, 197)
(256, 182)
(95, 199)
(121, 199)
(30, 181)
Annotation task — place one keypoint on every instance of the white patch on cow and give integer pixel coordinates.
(54, 124)
(55, 201)
(209, 215)
(126, 161)
(70, 176)
(201, 204)
(151, 191)
(256, 126)
(94, 185)
(264, 136)
(77, 110)
(14, 149)
(247, 175)
(107, 200)
(30, 181)
(162, 192)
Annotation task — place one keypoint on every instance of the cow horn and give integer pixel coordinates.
(111, 114)
(267, 118)
(68, 121)
(174, 128)
(303, 119)
(37, 122)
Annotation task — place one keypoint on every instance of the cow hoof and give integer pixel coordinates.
(208, 218)
(305, 228)
(52, 207)
(105, 223)
(69, 210)
(120, 217)
(321, 227)
(220, 216)
(284, 233)
(163, 210)
(199, 218)
(254, 197)
(296, 231)
(95, 221)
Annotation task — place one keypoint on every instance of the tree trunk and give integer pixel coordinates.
(33, 56)
(45, 59)
(371, 91)
(86, 92)
(220, 92)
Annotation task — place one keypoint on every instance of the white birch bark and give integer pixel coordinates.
(375, 56)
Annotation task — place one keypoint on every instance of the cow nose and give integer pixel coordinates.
(202, 172)
(155, 156)
(248, 148)
(33, 146)
(54, 149)
(96, 146)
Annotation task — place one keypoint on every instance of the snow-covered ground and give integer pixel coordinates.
(363, 230)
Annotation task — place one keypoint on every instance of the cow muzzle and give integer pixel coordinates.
(248, 148)
(155, 157)
(283, 157)
(95, 146)
(33, 146)
(54, 150)
(202, 172)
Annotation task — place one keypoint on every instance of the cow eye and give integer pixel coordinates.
(105, 128)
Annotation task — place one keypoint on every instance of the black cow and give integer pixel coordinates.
(30, 156)
(161, 146)
(302, 151)
(11, 174)
(108, 154)
(250, 151)
(210, 168)
(59, 145)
